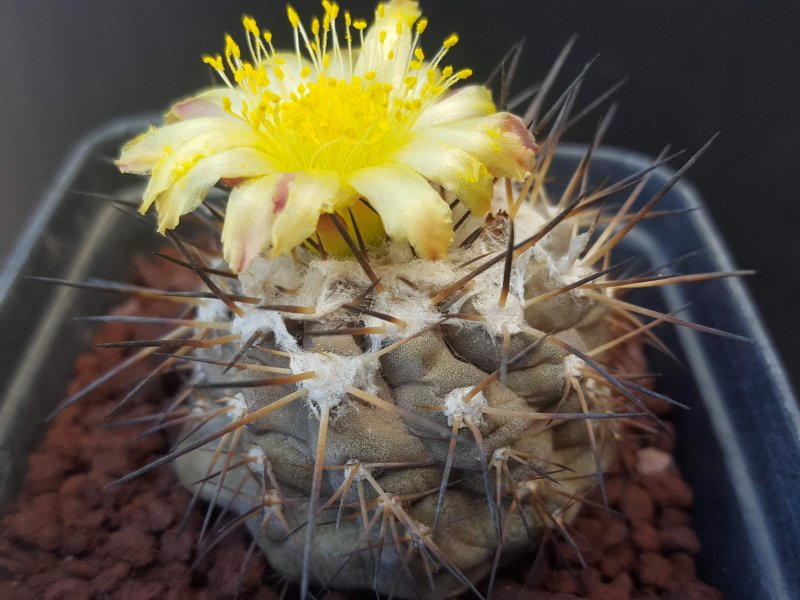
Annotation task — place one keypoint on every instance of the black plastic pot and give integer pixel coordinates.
(738, 446)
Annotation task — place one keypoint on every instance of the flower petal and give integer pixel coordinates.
(224, 135)
(308, 195)
(464, 103)
(207, 103)
(390, 33)
(453, 169)
(411, 210)
(142, 153)
(189, 190)
(249, 218)
(500, 141)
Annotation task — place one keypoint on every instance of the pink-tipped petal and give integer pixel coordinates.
(249, 219)
(188, 191)
(500, 141)
(306, 196)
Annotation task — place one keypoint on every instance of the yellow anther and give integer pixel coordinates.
(390, 55)
(422, 25)
(215, 62)
(326, 23)
(464, 74)
(250, 25)
(419, 54)
(294, 18)
(315, 26)
(370, 75)
(360, 24)
(447, 71)
(278, 72)
(267, 36)
(226, 104)
(415, 64)
(451, 41)
(381, 10)
(411, 81)
(331, 8)
(382, 36)
(232, 48)
(348, 20)
(305, 71)
(399, 28)
(326, 61)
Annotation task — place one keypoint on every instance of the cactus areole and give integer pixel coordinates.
(404, 362)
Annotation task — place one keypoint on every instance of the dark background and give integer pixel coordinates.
(695, 67)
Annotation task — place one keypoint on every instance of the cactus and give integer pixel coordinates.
(406, 361)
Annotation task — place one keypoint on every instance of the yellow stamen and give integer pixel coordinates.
(451, 41)
(232, 48)
(294, 18)
(250, 25)
(215, 62)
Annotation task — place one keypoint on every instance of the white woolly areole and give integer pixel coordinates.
(256, 457)
(360, 471)
(455, 405)
(576, 246)
(237, 407)
(212, 310)
(334, 374)
(264, 321)
(573, 366)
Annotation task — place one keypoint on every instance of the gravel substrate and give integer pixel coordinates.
(69, 537)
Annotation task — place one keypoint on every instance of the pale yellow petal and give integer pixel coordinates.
(464, 103)
(411, 210)
(211, 102)
(500, 141)
(390, 34)
(453, 169)
(309, 195)
(142, 153)
(249, 219)
(225, 135)
(189, 191)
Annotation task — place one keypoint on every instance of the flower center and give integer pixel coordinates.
(330, 113)
(338, 125)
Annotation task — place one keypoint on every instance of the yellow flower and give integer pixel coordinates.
(362, 114)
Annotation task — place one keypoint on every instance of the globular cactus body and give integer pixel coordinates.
(430, 457)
